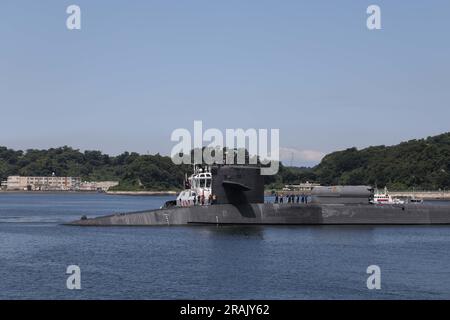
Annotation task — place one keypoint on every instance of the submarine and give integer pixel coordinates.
(234, 195)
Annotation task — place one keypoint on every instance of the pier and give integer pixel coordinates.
(426, 195)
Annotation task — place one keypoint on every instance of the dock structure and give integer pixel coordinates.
(426, 195)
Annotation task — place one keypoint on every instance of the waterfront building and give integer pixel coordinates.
(51, 183)
(97, 185)
(307, 186)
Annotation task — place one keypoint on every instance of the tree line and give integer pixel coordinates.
(420, 164)
(132, 170)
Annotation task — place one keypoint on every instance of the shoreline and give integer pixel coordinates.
(142, 193)
(425, 195)
(122, 193)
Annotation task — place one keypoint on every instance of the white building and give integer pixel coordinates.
(97, 185)
(19, 183)
(43, 183)
(307, 186)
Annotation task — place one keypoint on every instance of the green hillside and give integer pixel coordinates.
(134, 171)
(420, 164)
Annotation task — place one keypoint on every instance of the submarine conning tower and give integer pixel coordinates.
(237, 184)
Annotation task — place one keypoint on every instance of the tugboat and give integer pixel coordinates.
(198, 188)
(385, 198)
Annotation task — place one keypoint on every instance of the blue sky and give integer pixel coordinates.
(137, 70)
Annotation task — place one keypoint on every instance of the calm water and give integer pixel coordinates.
(207, 262)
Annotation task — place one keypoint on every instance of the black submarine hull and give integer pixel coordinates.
(280, 214)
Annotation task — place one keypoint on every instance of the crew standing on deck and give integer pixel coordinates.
(210, 199)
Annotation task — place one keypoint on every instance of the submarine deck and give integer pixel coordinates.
(279, 214)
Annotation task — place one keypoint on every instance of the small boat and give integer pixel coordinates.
(385, 198)
(415, 200)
